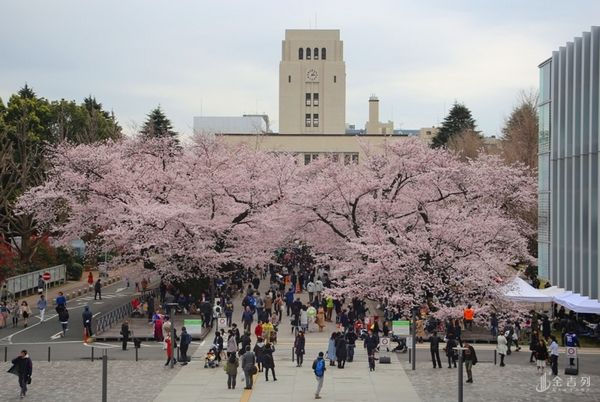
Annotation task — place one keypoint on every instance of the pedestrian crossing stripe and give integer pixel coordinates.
(103, 297)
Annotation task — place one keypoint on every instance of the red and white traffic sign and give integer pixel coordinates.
(46, 276)
(571, 351)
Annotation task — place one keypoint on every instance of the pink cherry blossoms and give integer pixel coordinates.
(407, 226)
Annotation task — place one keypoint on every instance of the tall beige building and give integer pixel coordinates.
(312, 82)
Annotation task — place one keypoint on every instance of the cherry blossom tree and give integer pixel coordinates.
(198, 207)
(412, 225)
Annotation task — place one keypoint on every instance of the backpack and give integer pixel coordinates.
(320, 368)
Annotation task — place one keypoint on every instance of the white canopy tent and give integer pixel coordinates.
(520, 291)
(578, 303)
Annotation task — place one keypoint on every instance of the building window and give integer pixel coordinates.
(307, 120)
(307, 99)
(316, 53)
(300, 53)
(316, 120)
(315, 100)
(308, 158)
(334, 79)
(350, 158)
(307, 53)
(289, 78)
(323, 54)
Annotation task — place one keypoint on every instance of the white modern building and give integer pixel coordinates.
(568, 152)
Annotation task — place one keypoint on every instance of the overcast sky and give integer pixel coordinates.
(222, 57)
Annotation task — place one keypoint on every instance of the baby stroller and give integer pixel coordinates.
(210, 360)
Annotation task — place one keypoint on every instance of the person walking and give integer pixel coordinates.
(15, 312)
(501, 347)
(125, 333)
(63, 318)
(319, 368)
(259, 348)
(470, 359)
(61, 300)
(299, 344)
(23, 368)
(351, 338)
(87, 320)
(541, 355)
(247, 318)
(231, 343)
(41, 285)
(533, 344)
(331, 349)
(434, 347)
(98, 289)
(268, 361)
(231, 370)
(450, 353)
(90, 280)
(42, 304)
(341, 351)
(249, 366)
(185, 341)
(169, 345)
(554, 355)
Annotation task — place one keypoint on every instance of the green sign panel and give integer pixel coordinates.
(401, 328)
(194, 327)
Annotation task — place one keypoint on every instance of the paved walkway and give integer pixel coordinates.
(353, 383)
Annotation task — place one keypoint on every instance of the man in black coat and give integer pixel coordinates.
(434, 346)
(87, 320)
(98, 289)
(24, 367)
(371, 342)
(341, 351)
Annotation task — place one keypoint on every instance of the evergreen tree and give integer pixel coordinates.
(157, 125)
(459, 120)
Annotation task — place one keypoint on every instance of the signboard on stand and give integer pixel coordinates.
(193, 327)
(401, 328)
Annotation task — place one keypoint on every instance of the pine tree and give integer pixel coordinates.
(459, 120)
(157, 125)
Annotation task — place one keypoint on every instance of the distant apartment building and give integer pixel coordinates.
(568, 194)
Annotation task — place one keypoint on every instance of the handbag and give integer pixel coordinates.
(254, 370)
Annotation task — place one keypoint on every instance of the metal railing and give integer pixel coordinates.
(29, 281)
(106, 321)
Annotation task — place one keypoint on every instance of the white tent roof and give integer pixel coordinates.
(555, 291)
(521, 291)
(578, 303)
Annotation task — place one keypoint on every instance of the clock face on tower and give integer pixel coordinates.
(312, 75)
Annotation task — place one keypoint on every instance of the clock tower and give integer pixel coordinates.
(312, 83)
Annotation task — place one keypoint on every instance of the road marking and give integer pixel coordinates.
(56, 336)
(101, 345)
(96, 314)
(202, 343)
(120, 290)
(95, 303)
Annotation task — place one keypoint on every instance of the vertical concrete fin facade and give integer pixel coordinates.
(568, 238)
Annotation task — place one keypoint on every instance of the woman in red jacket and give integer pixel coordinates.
(169, 350)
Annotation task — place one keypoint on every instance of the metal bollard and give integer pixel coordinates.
(136, 354)
(104, 375)
(5, 354)
(293, 354)
(48, 354)
(495, 356)
(92, 353)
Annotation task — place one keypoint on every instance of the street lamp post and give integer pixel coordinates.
(413, 351)
(459, 350)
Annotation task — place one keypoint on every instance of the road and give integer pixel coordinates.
(50, 330)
